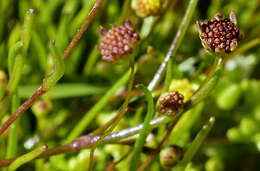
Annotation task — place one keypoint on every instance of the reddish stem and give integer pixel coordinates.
(66, 53)
(111, 166)
(86, 141)
(82, 29)
(21, 109)
(157, 150)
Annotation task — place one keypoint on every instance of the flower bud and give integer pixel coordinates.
(249, 126)
(171, 102)
(229, 97)
(219, 34)
(41, 108)
(117, 42)
(3, 83)
(170, 156)
(146, 8)
(214, 164)
(183, 86)
(235, 135)
(3, 77)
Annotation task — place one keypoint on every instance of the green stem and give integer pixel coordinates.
(203, 91)
(13, 132)
(58, 69)
(243, 48)
(139, 143)
(90, 141)
(16, 73)
(27, 30)
(26, 158)
(13, 52)
(175, 44)
(123, 109)
(194, 146)
(110, 125)
(125, 11)
(90, 115)
(168, 77)
(63, 90)
(209, 82)
(91, 60)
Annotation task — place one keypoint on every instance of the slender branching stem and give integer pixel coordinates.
(82, 29)
(111, 166)
(157, 150)
(175, 45)
(21, 109)
(108, 128)
(66, 53)
(243, 48)
(91, 140)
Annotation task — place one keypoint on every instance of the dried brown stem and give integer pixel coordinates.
(82, 29)
(21, 109)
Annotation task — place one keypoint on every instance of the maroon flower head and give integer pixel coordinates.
(171, 102)
(219, 34)
(118, 41)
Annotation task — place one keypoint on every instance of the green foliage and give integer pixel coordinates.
(84, 93)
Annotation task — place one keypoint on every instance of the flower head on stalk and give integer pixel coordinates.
(146, 8)
(118, 41)
(170, 103)
(220, 34)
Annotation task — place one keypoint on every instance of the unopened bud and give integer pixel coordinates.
(146, 8)
(220, 35)
(41, 108)
(170, 156)
(170, 103)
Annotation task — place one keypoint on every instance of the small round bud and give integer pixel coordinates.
(183, 86)
(171, 102)
(118, 41)
(146, 8)
(214, 164)
(3, 83)
(3, 77)
(235, 135)
(219, 34)
(229, 97)
(249, 126)
(41, 108)
(170, 156)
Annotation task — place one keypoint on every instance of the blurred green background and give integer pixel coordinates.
(234, 141)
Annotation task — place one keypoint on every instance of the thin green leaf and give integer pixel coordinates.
(58, 69)
(90, 115)
(63, 90)
(139, 143)
(185, 123)
(194, 146)
(13, 52)
(175, 44)
(209, 83)
(27, 30)
(27, 158)
(13, 132)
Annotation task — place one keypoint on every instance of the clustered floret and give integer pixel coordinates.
(219, 34)
(118, 41)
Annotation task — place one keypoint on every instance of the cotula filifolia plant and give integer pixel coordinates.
(218, 35)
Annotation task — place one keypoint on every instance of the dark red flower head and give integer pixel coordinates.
(219, 34)
(171, 102)
(118, 41)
